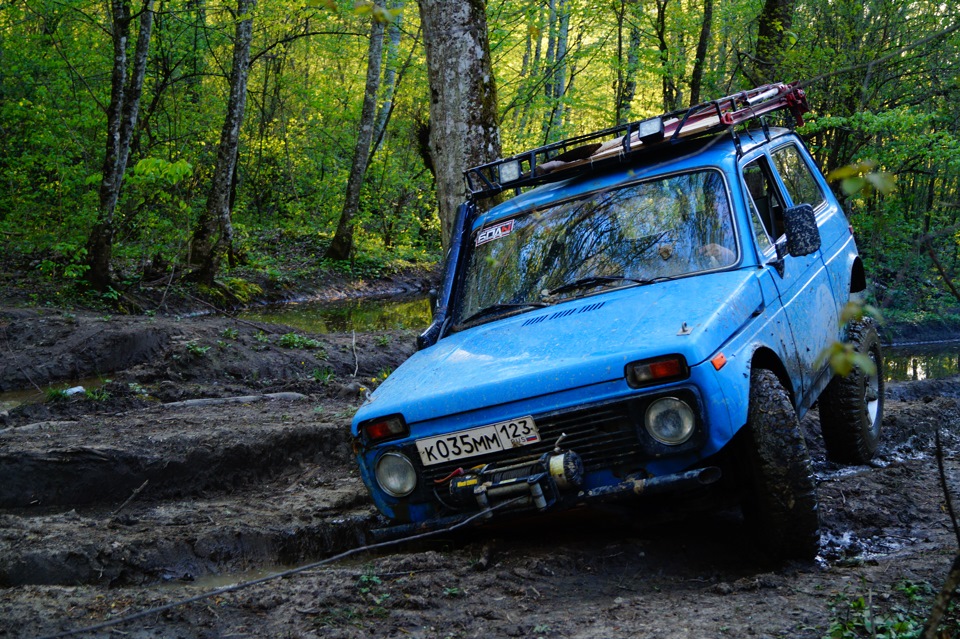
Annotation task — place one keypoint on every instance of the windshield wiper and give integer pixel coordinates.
(498, 308)
(599, 280)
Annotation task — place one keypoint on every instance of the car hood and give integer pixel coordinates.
(572, 344)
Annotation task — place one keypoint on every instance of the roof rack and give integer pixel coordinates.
(559, 160)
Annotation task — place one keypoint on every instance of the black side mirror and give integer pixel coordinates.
(803, 236)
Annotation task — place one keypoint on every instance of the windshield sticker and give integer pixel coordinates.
(495, 232)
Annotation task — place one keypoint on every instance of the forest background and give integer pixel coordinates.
(223, 143)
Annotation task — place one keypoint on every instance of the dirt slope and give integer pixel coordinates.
(139, 495)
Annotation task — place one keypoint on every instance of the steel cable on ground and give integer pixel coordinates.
(279, 575)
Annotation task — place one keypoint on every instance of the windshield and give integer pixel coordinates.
(663, 228)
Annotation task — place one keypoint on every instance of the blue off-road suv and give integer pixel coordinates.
(645, 316)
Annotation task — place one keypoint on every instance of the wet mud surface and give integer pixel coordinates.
(218, 452)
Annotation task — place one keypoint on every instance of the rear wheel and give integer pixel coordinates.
(781, 503)
(851, 407)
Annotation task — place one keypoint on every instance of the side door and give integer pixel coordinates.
(805, 185)
(802, 282)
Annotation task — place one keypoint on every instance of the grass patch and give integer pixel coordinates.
(296, 340)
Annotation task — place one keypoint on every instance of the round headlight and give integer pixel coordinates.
(670, 421)
(396, 475)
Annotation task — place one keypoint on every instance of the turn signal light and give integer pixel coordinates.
(385, 428)
(656, 371)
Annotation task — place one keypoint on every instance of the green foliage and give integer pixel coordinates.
(230, 333)
(97, 394)
(195, 349)
(242, 290)
(55, 394)
(862, 178)
(295, 340)
(843, 356)
(323, 375)
(882, 115)
(898, 614)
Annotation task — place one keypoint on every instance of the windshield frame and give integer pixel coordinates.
(538, 204)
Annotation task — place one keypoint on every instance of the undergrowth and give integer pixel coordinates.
(897, 611)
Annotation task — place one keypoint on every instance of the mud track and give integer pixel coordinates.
(215, 454)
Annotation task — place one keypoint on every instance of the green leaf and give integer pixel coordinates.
(853, 185)
(881, 181)
(843, 173)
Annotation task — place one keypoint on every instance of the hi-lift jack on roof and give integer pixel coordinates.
(562, 159)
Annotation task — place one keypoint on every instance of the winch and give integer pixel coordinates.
(539, 480)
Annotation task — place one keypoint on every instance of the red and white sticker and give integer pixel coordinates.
(495, 232)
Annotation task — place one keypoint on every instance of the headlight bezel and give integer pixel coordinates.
(688, 415)
(400, 489)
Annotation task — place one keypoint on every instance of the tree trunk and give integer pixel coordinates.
(669, 87)
(696, 78)
(463, 106)
(775, 20)
(560, 75)
(342, 242)
(122, 116)
(535, 25)
(555, 87)
(626, 74)
(213, 236)
(390, 79)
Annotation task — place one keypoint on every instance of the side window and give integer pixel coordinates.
(764, 198)
(796, 176)
(759, 232)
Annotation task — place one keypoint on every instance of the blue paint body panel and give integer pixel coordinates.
(565, 364)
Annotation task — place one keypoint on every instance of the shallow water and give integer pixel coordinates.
(358, 315)
(912, 362)
(12, 399)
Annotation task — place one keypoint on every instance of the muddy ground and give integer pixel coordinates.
(218, 452)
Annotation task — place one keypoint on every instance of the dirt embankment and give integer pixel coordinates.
(219, 451)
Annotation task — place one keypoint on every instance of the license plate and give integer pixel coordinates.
(478, 441)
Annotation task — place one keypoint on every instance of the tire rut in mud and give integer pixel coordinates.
(260, 486)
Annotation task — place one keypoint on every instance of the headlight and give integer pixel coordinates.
(670, 421)
(396, 475)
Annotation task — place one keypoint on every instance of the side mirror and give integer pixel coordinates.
(803, 236)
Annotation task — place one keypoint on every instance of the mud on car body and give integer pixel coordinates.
(645, 315)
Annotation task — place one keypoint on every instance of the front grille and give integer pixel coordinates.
(604, 436)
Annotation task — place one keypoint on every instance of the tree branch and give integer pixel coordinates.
(296, 36)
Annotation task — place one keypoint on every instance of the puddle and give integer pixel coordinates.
(360, 315)
(913, 362)
(12, 399)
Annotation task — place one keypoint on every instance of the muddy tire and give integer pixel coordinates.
(781, 500)
(851, 407)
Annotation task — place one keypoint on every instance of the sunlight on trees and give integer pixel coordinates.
(561, 68)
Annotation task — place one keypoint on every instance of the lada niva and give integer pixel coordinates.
(645, 314)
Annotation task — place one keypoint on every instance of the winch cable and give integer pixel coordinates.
(279, 575)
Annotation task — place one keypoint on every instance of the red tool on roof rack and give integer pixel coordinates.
(558, 160)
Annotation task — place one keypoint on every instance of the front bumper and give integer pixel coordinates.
(503, 491)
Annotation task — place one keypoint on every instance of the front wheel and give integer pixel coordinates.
(781, 504)
(851, 407)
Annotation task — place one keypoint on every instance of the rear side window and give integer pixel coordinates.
(797, 177)
(765, 199)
